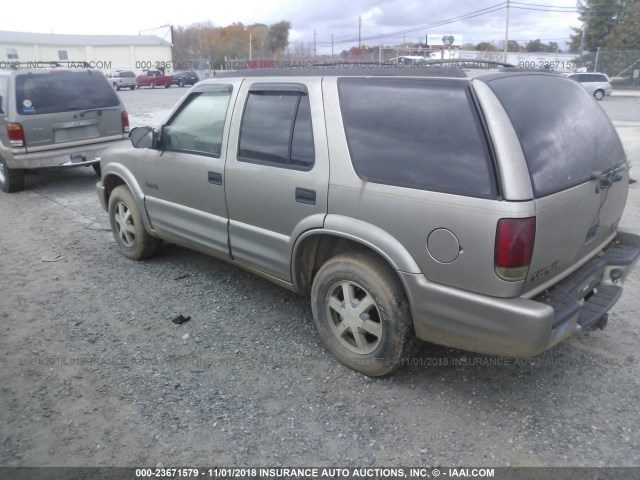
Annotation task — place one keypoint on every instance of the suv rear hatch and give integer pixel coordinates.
(64, 108)
(578, 170)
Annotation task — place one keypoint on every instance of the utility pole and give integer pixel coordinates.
(332, 47)
(359, 32)
(595, 68)
(584, 33)
(506, 34)
(314, 45)
(250, 46)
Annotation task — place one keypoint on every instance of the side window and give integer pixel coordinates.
(12, 54)
(416, 133)
(63, 55)
(276, 130)
(198, 126)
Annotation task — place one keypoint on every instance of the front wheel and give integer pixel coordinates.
(11, 179)
(126, 224)
(181, 83)
(599, 94)
(168, 85)
(362, 313)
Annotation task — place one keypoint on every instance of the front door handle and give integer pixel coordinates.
(215, 178)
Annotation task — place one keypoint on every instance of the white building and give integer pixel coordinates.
(105, 52)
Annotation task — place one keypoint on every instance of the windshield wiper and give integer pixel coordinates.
(97, 109)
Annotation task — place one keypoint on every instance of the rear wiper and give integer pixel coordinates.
(607, 179)
(98, 109)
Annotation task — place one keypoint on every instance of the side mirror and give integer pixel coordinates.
(143, 137)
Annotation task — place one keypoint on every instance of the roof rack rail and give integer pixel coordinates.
(426, 63)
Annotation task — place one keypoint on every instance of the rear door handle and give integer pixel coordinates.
(306, 196)
(215, 178)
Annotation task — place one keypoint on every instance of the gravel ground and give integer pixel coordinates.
(94, 372)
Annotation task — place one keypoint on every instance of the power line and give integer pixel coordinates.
(543, 5)
(545, 10)
(476, 13)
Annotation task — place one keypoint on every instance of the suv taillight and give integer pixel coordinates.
(16, 134)
(514, 247)
(125, 122)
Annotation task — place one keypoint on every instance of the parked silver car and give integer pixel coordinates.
(55, 118)
(597, 84)
(464, 212)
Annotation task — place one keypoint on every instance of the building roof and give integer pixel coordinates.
(55, 39)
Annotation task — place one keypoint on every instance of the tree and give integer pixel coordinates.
(220, 44)
(279, 37)
(486, 47)
(512, 46)
(553, 47)
(535, 46)
(599, 17)
(612, 34)
(625, 34)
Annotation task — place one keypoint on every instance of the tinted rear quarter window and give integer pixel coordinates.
(63, 91)
(564, 133)
(416, 133)
(276, 130)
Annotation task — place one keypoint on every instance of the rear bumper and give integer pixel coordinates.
(522, 327)
(60, 158)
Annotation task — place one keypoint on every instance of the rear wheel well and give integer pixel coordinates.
(315, 251)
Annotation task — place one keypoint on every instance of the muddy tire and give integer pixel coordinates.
(11, 179)
(362, 313)
(126, 224)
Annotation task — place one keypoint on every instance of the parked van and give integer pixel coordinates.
(56, 118)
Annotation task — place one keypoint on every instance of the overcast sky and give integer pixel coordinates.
(327, 17)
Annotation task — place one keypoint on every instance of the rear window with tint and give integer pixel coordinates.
(564, 133)
(416, 133)
(63, 91)
(127, 74)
